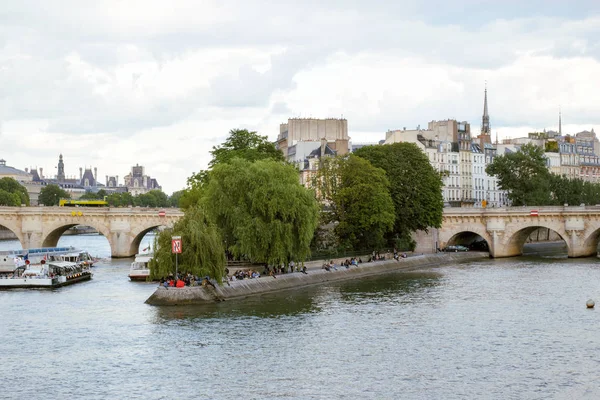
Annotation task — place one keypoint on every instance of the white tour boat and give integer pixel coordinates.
(75, 256)
(139, 270)
(49, 274)
(11, 259)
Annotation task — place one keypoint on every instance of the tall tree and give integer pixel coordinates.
(240, 143)
(358, 199)
(264, 213)
(175, 198)
(524, 175)
(12, 193)
(51, 194)
(202, 253)
(247, 145)
(415, 187)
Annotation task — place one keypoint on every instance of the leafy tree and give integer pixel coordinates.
(175, 198)
(9, 199)
(262, 210)
(240, 143)
(11, 188)
(358, 197)
(524, 175)
(89, 196)
(51, 194)
(551, 147)
(120, 199)
(573, 191)
(154, 198)
(246, 145)
(202, 253)
(415, 187)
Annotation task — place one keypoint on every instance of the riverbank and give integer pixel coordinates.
(250, 287)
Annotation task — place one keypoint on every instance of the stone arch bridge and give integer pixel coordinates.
(506, 229)
(124, 228)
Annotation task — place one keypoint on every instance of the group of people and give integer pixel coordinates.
(346, 264)
(240, 274)
(186, 280)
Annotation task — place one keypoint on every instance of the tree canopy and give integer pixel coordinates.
(12, 193)
(202, 253)
(524, 175)
(240, 143)
(415, 186)
(51, 194)
(264, 213)
(246, 145)
(358, 200)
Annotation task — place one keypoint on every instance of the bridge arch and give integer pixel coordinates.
(15, 229)
(591, 241)
(139, 234)
(54, 231)
(513, 246)
(465, 237)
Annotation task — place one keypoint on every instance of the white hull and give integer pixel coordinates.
(139, 275)
(43, 282)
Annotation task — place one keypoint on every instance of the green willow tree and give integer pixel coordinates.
(51, 194)
(524, 175)
(358, 200)
(12, 193)
(246, 145)
(202, 253)
(240, 143)
(415, 187)
(264, 213)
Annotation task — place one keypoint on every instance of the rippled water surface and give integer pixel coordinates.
(504, 329)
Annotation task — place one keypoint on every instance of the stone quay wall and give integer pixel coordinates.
(251, 287)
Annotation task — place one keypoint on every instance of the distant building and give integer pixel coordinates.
(301, 136)
(137, 182)
(11, 172)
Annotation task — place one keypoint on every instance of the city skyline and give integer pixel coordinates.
(115, 84)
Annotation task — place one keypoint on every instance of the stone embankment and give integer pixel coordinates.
(249, 287)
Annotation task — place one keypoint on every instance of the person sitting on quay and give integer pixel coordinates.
(304, 270)
(180, 283)
(206, 282)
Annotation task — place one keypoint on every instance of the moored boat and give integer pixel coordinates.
(140, 271)
(75, 256)
(11, 259)
(48, 275)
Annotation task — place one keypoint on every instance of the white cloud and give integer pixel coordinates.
(111, 83)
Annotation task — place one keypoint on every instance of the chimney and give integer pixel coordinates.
(107, 180)
(95, 176)
(27, 170)
(323, 146)
(116, 180)
(80, 173)
(41, 173)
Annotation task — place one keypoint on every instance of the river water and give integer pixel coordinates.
(493, 329)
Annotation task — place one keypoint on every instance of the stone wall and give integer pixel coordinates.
(250, 287)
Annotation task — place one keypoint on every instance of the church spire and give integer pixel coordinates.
(559, 122)
(485, 120)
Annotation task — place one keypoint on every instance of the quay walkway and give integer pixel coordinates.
(267, 284)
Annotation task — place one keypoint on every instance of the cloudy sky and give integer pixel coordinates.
(112, 83)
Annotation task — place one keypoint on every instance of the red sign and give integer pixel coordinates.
(176, 244)
(533, 213)
(162, 213)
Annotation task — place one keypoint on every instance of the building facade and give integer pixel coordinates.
(137, 182)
